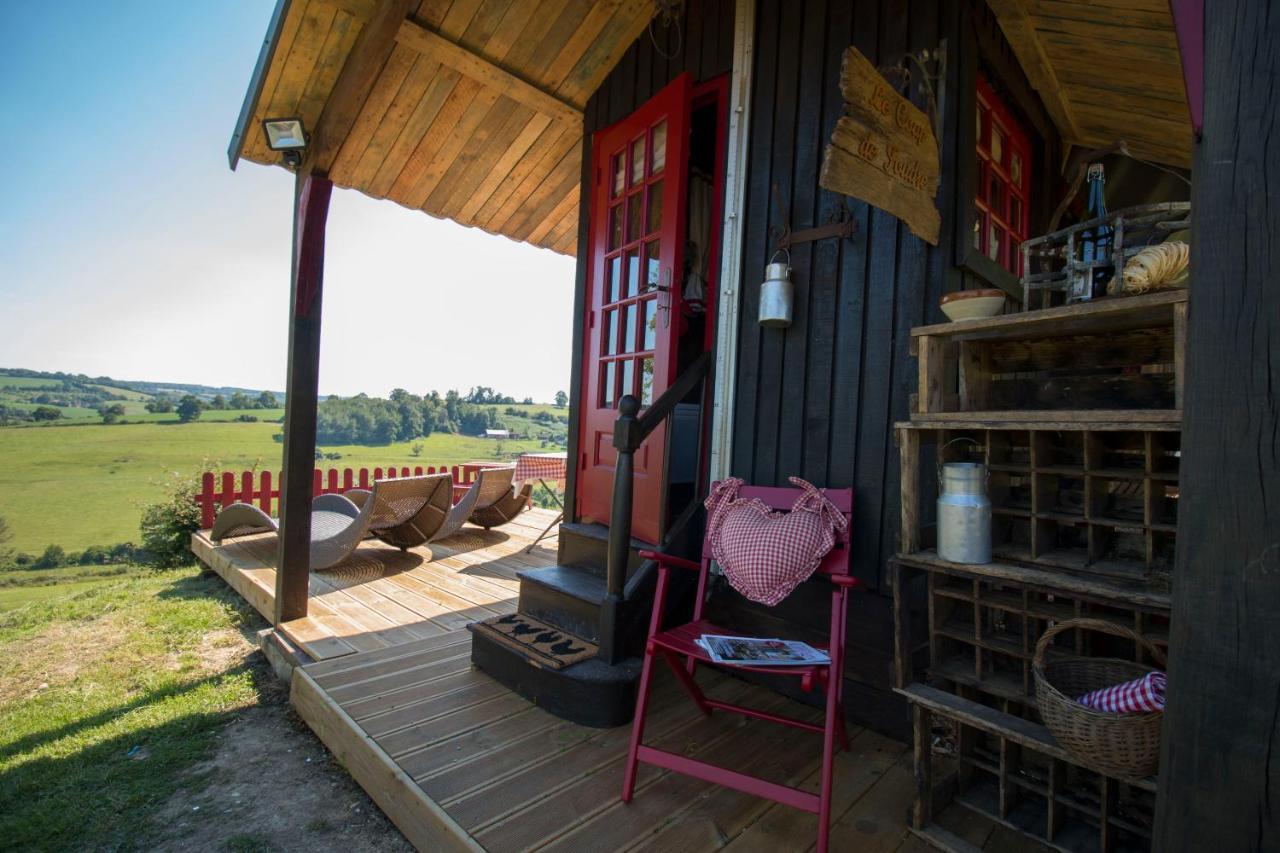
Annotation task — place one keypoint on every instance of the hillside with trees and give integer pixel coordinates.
(404, 416)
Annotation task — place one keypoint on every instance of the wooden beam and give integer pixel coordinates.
(478, 68)
(293, 560)
(1021, 33)
(1219, 763)
(369, 54)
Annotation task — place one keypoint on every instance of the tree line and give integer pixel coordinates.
(404, 416)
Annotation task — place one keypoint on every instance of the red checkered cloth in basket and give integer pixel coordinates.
(765, 554)
(1140, 696)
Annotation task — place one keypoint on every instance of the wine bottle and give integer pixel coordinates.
(1097, 241)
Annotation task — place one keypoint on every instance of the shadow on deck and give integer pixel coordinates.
(381, 596)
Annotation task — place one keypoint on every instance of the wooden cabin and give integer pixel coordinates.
(678, 148)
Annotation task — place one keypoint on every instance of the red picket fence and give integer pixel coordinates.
(217, 491)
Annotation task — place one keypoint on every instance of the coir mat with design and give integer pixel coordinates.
(545, 645)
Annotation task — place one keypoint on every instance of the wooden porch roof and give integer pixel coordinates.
(1107, 70)
(464, 109)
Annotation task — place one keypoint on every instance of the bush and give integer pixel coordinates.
(52, 557)
(168, 523)
(247, 419)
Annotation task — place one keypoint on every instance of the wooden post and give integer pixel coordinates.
(625, 443)
(1219, 765)
(293, 563)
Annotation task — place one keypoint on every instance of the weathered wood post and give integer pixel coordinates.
(1220, 765)
(626, 438)
(311, 209)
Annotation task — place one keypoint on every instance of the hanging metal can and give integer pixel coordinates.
(776, 293)
(964, 513)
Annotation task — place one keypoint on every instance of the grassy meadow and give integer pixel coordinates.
(77, 486)
(111, 692)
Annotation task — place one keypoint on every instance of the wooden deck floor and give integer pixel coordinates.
(458, 762)
(382, 597)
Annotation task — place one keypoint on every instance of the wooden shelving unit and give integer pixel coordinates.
(1084, 500)
(1123, 355)
(1091, 500)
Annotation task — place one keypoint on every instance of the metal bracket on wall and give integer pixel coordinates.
(840, 223)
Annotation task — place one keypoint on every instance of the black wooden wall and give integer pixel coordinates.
(818, 400)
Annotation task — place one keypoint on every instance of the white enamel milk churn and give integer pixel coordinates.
(964, 512)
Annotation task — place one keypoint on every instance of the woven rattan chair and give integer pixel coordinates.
(490, 487)
(506, 508)
(338, 525)
(425, 523)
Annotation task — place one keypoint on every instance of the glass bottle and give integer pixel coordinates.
(1097, 242)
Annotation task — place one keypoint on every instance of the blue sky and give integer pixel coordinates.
(129, 249)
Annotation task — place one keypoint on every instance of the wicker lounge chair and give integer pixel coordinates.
(492, 488)
(425, 522)
(506, 508)
(338, 525)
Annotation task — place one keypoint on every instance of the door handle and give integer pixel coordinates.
(664, 301)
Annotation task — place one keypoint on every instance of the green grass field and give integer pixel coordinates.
(14, 597)
(27, 383)
(77, 486)
(136, 413)
(111, 693)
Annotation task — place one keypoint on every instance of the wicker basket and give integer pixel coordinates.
(1124, 746)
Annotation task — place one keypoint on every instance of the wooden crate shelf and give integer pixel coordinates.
(1118, 355)
(1012, 771)
(1090, 501)
(966, 660)
(982, 623)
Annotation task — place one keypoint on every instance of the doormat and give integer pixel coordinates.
(544, 645)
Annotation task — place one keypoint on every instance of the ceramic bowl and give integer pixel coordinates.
(972, 304)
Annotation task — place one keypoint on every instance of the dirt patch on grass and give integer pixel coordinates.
(57, 655)
(271, 786)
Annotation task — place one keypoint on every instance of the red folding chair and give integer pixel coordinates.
(678, 643)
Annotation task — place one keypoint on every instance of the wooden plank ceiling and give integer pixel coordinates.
(1107, 70)
(476, 113)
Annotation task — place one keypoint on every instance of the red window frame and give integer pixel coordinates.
(1001, 198)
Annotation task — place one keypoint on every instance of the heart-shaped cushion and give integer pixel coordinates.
(765, 554)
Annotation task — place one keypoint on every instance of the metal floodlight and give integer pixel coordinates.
(286, 135)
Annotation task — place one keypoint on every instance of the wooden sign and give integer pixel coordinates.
(883, 150)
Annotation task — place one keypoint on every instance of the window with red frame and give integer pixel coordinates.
(1001, 209)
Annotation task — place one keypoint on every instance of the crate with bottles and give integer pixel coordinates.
(1135, 250)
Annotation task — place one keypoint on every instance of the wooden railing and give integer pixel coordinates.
(629, 432)
(262, 488)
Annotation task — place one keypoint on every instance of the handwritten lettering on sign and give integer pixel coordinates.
(883, 150)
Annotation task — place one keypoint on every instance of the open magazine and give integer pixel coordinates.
(757, 651)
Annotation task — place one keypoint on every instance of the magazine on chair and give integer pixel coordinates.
(758, 651)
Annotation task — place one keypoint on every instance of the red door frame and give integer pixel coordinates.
(649, 517)
(713, 91)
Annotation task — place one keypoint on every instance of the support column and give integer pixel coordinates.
(293, 565)
(1220, 765)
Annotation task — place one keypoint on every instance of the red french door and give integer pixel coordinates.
(639, 181)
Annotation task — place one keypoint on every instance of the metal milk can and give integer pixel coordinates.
(964, 513)
(776, 292)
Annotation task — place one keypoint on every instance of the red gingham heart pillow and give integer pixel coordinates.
(765, 554)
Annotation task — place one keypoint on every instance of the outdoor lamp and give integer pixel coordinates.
(288, 136)
(776, 292)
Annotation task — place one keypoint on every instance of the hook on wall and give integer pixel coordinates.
(840, 223)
